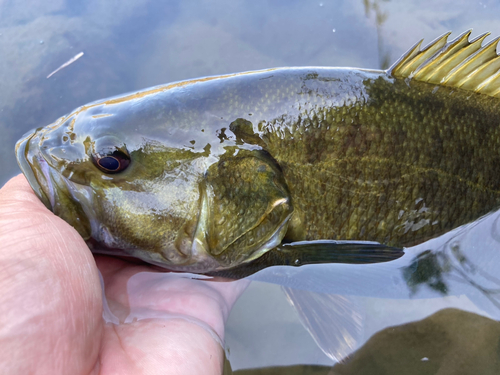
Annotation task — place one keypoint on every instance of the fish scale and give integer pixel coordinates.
(413, 138)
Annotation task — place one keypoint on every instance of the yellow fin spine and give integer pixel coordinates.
(427, 71)
(412, 52)
(474, 61)
(459, 63)
(482, 74)
(492, 85)
(442, 71)
(425, 54)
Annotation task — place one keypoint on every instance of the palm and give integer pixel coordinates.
(51, 303)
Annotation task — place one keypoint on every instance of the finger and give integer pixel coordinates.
(49, 289)
(163, 320)
(159, 346)
(137, 292)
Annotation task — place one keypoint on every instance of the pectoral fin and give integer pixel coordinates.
(314, 252)
(324, 251)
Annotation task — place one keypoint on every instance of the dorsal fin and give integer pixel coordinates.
(459, 63)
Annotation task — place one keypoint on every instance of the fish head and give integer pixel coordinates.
(129, 192)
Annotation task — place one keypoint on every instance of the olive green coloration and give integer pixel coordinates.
(209, 174)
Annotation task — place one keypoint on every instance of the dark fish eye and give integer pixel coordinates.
(114, 162)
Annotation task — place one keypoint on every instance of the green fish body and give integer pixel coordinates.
(209, 174)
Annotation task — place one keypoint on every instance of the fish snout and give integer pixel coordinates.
(61, 147)
(34, 166)
(47, 181)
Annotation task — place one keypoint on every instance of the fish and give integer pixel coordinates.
(282, 166)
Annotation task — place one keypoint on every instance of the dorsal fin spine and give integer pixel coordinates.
(408, 55)
(442, 72)
(491, 86)
(481, 56)
(426, 72)
(459, 63)
(427, 53)
(484, 73)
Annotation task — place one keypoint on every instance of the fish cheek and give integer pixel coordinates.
(248, 207)
(149, 221)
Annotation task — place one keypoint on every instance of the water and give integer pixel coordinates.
(145, 43)
(376, 297)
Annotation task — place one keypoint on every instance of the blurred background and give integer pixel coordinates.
(128, 45)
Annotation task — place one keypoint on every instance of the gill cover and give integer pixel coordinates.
(248, 207)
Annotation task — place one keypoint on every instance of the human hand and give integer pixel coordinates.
(51, 309)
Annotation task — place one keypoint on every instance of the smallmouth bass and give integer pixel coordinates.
(213, 173)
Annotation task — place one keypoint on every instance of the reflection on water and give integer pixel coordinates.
(375, 6)
(456, 264)
(337, 332)
(436, 270)
(450, 341)
(143, 43)
(426, 269)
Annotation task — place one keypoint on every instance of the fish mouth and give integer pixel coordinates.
(35, 167)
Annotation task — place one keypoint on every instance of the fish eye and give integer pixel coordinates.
(114, 162)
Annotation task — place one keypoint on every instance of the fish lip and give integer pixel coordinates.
(29, 159)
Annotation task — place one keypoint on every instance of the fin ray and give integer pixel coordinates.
(459, 63)
(428, 70)
(335, 322)
(474, 61)
(442, 71)
(484, 73)
(429, 51)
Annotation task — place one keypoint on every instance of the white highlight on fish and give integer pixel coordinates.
(70, 61)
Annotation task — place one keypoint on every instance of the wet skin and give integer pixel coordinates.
(222, 169)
